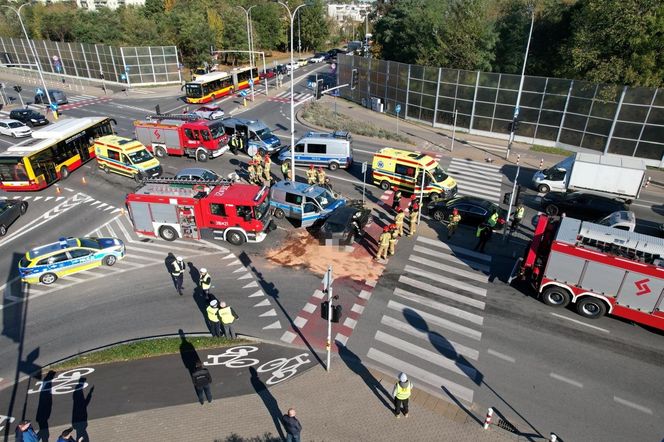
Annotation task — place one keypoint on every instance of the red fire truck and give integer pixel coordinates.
(190, 209)
(184, 134)
(598, 268)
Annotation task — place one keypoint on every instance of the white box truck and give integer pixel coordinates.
(611, 175)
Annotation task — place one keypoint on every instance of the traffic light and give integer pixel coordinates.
(18, 89)
(336, 311)
(506, 198)
(353, 79)
(513, 126)
(319, 88)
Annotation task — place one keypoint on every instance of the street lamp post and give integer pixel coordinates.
(250, 43)
(531, 9)
(292, 100)
(32, 50)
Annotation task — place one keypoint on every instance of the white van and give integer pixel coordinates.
(333, 150)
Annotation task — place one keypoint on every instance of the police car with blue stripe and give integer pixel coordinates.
(302, 202)
(47, 263)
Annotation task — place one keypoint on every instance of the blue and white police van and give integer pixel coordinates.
(332, 150)
(302, 202)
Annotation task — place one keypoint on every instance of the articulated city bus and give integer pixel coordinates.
(214, 85)
(52, 153)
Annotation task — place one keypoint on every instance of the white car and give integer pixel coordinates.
(14, 128)
(290, 68)
(317, 58)
(209, 112)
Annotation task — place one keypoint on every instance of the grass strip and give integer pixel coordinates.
(552, 150)
(323, 116)
(142, 349)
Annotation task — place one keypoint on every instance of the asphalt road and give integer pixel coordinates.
(545, 370)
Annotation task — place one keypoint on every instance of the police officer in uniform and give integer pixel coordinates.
(311, 175)
(213, 318)
(399, 219)
(285, 170)
(205, 281)
(518, 216)
(177, 273)
(483, 234)
(493, 219)
(228, 316)
(383, 243)
(413, 212)
(453, 223)
(401, 394)
(321, 176)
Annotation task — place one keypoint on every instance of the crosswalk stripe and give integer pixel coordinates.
(437, 340)
(445, 280)
(453, 311)
(449, 257)
(132, 248)
(112, 232)
(433, 319)
(144, 258)
(427, 355)
(125, 233)
(450, 269)
(282, 94)
(438, 291)
(487, 186)
(455, 249)
(431, 379)
(476, 164)
(471, 172)
(463, 190)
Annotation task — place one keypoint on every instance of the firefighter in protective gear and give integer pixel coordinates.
(518, 216)
(413, 213)
(401, 394)
(251, 169)
(228, 316)
(383, 243)
(205, 281)
(267, 162)
(398, 220)
(396, 198)
(258, 158)
(321, 176)
(452, 223)
(177, 272)
(213, 318)
(393, 238)
(311, 175)
(258, 164)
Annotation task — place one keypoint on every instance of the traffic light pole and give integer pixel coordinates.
(509, 209)
(328, 344)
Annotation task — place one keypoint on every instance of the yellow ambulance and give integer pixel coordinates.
(125, 156)
(404, 169)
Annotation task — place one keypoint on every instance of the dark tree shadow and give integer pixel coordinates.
(269, 401)
(79, 412)
(267, 437)
(45, 406)
(354, 363)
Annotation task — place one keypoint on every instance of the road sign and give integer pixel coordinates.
(251, 82)
(397, 108)
(243, 93)
(333, 66)
(364, 167)
(54, 106)
(38, 91)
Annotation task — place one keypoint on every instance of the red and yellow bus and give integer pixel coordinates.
(52, 153)
(209, 87)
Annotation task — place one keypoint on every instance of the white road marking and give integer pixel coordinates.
(450, 269)
(288, 336)
(433, 319)
(257, 293)
(245, 276)
(251, 284)
(271, 312)
(350, 323)
(580, 323)
(455, 249)
(342, 339)
(274, 325)
(264, 303)
(502, 356)
(309, 307)
(300, 322)
(449, 257)
(453, 311)
(632, 405)
(318, 294)
(364, 294)
(566, 380)
(442, 292)
(357, 308)
(445, 280)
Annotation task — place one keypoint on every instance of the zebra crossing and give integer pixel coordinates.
(284, 97)
(477, 179)
(432, 325)
(73, 102)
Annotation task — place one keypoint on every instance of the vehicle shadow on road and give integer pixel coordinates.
(354, 363)
(269, 401)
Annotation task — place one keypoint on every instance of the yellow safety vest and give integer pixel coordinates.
(226, 315)
(212, 313)
(206, 281)
(493, 220)
(403, 393)
(520, 212)
(177, 269)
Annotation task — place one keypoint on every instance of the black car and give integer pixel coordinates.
(344, 224)
(29, 117)
(473, 210)
(10, 210)
(281, 69)
(583, 206)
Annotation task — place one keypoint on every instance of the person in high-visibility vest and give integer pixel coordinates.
(228, 316)
(383, 243)
(213, 318)
(285, 170)
(320, 175)
(177, 273)
(205, 281)
(518, 216)
(233, 143)
(401, 394)
(258, 158)
(453, 223)
(493, 219)
(311, 175)
(413, 213)
(483, 234)
(398, 220)
(251, 169)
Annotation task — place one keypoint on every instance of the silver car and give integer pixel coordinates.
(209, 112)
(14, 128)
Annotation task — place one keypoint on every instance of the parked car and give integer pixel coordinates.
(303, 62)
(290, 68)
(14, 128)
(345, 224)
(583, 206)
(622, 219)
(10, 210)
(281, 69)
(269, 73)
(197, 173)
(28, 116)
(209, 112)
(318, 57)
(473, 210)
(57, 96)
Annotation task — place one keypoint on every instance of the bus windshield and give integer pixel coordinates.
(12, 169)
(140, 157)
(193, 90)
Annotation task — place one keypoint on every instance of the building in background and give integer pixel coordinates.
(353, 12)
(93, 5)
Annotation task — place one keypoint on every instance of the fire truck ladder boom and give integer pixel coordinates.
(183, 117)
(211, 183)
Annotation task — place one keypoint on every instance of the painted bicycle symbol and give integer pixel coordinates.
(281, 368)
(64, 383)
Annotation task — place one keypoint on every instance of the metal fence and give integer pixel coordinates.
(575, 115)
(135, 66)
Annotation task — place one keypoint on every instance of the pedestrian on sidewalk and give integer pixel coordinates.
(25, 432)
(202, 380)
(383, 244)
(177, 273)
(311, 175)
(396, 198)
(483, 234)
(212, 311)
(292, 426)
(453, 223)
(393, 239)
(228, 316)
(205, 281)
(398, 220)
(413, 213)
(401, 394)
(67, 436)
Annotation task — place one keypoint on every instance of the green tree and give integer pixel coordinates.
(314, 25)
(269, 26)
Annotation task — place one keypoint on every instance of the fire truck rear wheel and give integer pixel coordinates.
(591, 308)
(201, 155)
(168, 233)
(159, 152)
(235, 238)
(556, 296)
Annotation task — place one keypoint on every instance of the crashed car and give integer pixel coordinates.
(344, 225)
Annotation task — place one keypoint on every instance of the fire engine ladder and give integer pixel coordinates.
(210, 183)
(183, 117)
